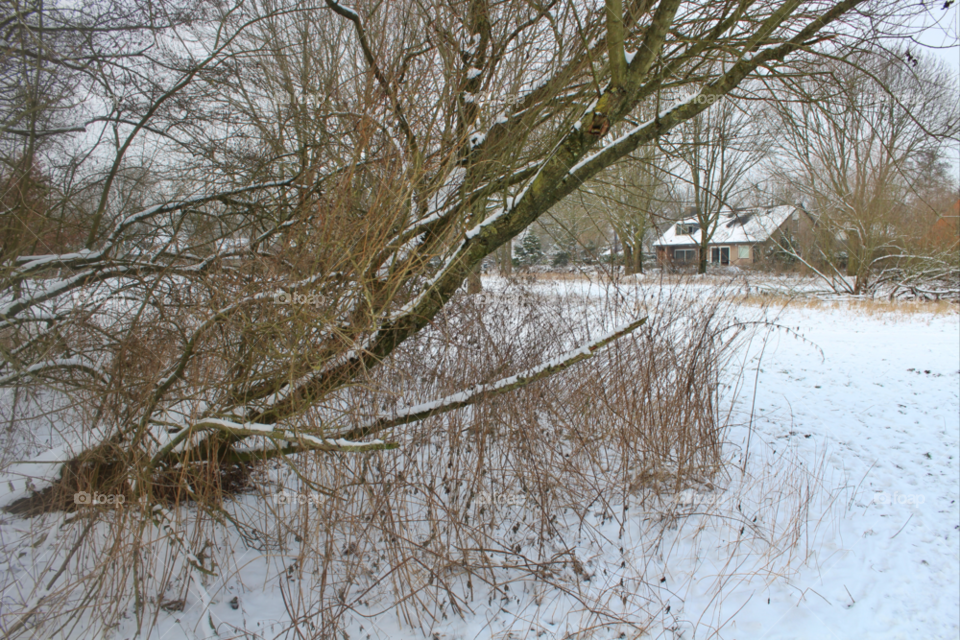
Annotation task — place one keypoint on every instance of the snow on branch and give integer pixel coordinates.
(281, 439)
(500, 387)
(60, 364)
(85, 257)
(97, 266)
(57, 288)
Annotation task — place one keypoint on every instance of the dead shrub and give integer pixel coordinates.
(474, 500)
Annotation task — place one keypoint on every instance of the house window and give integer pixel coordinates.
(685, 255)
(743, 252)
(687, 228)
(720, 255)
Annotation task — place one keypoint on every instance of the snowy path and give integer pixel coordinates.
(883, 406)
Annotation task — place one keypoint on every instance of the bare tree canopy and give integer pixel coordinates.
(175, 175)
(863, 142)
(231, 229)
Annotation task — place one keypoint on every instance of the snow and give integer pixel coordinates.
(340, 442)
(477, 139)
(490, 219)
(32, 262)
(50, 289)
(249, 426)
(748, 226)
(590, 157)
(473, 73)
(881, 409)
(59, 363)
(275, 432)
(471, 41)
(855, 425)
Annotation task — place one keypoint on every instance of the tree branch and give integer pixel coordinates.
(493, 389)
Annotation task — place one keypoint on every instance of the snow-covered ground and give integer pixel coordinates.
(856, 420)
(880, 409)
(837, 518)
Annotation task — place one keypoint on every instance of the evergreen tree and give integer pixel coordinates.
(529, 253)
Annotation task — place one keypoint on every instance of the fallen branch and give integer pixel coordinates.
(281, 437)
(500, 387)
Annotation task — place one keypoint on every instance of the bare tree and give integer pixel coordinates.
(572, 227)
(861, 139)
(267, 199)
(630, 196)
(718, 150)
(391, 202)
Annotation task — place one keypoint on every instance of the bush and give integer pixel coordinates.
(560, 259)
(639, 421)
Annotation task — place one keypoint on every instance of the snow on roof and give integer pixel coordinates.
(743, 226)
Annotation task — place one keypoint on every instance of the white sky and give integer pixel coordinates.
(939, 38)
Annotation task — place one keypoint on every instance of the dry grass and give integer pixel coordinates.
(867, 307)
(474, 500)
(478, 505)
(753, 283)
(604, 273)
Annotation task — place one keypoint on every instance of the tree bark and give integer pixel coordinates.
(506, 258)
(474, 283)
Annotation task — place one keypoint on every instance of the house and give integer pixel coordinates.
(739, 239)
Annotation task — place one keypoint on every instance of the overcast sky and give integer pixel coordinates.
(940, 34)
(939, 37)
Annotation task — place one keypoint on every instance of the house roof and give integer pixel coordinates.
(745, 226)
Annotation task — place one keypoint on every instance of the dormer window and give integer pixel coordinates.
(687, 228)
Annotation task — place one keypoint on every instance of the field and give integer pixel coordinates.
(834, 513)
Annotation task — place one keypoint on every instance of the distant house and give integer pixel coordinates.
(739, 239)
